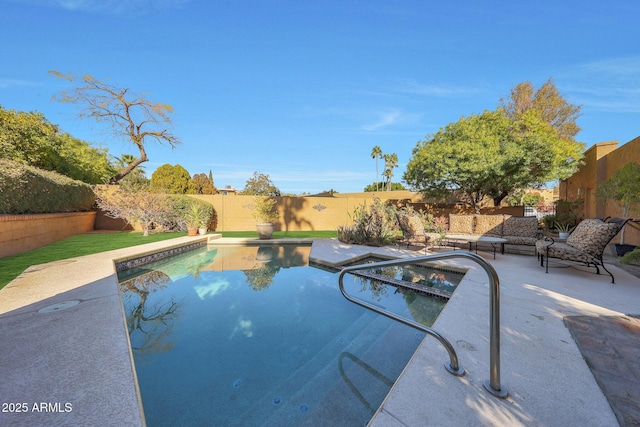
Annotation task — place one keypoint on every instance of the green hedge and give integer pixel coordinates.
(182, 208)
(29, 190)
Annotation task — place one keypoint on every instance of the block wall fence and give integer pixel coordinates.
(234, 213)
(21, 233)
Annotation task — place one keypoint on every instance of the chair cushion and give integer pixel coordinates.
(412, 229)
(521, 226)
(564, 251)
(521, 240)
(461, 224)
(489, 225)
(592, 235)
(411, 225)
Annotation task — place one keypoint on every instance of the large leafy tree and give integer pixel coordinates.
(77, 159)
(260, 184)
(26, 137)
(203, 184)
(547, 103)
(131, 116)
(489, 156)
(172, 179)
(395, 186)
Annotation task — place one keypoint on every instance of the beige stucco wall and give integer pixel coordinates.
(21, 233)
(600, 162)
(296, 213)
(319, 213)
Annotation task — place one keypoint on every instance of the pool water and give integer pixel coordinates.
(237, 339)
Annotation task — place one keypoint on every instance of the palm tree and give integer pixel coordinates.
(390, 162)
(375, 154)
(123, 162)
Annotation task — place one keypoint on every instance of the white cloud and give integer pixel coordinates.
(384, 120)
(209, 290)
(107, 6)
(608, 85)
(413, 87)
(393, 122)
(11, 83)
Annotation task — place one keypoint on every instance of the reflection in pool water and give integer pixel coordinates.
(255, 336)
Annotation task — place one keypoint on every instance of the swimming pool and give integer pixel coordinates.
(256, 336)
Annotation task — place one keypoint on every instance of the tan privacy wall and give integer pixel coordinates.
(234, 212)
(21, 233)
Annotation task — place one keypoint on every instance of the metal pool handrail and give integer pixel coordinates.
(493, 384)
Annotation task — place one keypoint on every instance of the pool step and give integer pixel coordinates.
(334, 369)
(363, 381)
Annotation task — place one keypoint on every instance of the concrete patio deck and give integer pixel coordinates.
(65, 345)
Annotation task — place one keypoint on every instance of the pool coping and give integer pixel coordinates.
(80, 355)
(66, 357)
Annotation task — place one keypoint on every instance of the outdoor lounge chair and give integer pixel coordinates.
(413, 232)
(585, 245)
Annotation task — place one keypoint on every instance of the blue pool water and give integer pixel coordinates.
(256, 337)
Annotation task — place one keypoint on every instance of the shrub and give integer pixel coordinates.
(264, 209)
(549, 221)
(567, 212)
(152, 209)
(28, 190)
(189, 212)
(136, 205)
(376, 225)
(632, 257)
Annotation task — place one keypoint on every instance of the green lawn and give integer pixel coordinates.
(91, 243)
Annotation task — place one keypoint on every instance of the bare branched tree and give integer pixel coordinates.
(136, 205)
(131, 117)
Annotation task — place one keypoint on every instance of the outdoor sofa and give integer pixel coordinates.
(516, 230)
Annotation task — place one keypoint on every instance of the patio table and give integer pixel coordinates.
(473, 240)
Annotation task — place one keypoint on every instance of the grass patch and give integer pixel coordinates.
(91, 243)
(75, 246)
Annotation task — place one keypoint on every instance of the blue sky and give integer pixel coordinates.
(303, 90)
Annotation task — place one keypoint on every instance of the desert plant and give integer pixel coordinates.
(183, 216)
(374, 225)
(564, 228)
(264, 209)
(197, 216)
